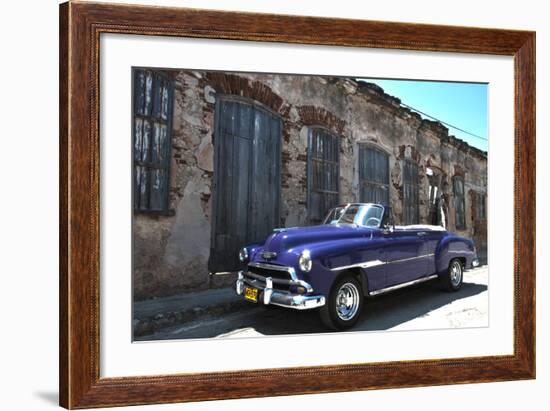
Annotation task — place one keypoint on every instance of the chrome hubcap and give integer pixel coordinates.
(347, 301)
(456, 273)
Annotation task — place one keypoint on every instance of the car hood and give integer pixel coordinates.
(300, 237)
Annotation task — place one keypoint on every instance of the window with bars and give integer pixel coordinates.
(323, 173)
(480, 206)
(410, 193)
(460, 207)
(152, 129)
(374, 175)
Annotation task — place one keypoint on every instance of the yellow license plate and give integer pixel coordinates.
(251, 294)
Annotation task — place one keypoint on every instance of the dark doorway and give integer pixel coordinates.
(247, 144)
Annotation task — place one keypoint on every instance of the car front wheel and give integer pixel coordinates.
(451, 280)
(344, 304)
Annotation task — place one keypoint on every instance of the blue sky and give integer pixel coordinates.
(463, 105)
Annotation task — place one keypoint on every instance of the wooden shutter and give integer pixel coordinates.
(247, 142)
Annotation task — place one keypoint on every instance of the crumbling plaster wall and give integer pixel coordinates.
(171, 252)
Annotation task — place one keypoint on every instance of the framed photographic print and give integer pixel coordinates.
(257, 205)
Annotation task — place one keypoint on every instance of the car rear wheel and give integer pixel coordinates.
(451, 280)
(344, 304)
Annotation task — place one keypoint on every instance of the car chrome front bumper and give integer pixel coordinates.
(267, 295)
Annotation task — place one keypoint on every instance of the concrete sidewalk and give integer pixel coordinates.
(152, 315)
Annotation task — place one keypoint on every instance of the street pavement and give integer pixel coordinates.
(420, 307)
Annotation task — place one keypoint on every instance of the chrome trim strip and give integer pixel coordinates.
(239, 285)
(268, 255)
(367, 264)
(411, 258)
(268, 290)
(374, 263)
(298, 302)
(398, 286)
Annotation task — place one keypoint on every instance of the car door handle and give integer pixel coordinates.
(422, 233)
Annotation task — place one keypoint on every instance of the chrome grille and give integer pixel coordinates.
(256, 275)
(267, 272)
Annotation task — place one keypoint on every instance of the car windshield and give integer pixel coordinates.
(366, 215)
(333, 215)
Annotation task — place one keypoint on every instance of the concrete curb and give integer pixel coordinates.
(167, 315)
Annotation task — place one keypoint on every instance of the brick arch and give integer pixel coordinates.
(232, 84)
(318, 116)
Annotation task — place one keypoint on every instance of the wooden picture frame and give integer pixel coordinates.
(80, 27)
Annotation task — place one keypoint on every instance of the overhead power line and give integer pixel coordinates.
(443, 122)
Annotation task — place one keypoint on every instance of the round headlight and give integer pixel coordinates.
(305, 261)
(243, 255)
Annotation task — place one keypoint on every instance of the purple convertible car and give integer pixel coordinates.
(358, 252)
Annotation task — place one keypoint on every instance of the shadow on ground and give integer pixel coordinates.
(379, 313)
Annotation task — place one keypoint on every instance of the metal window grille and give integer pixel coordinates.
(323, 173)
(410, 193)
(480, 206)
(460, 207)
(374, 175)
(152, 129)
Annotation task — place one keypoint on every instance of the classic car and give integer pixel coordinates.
(357, 252)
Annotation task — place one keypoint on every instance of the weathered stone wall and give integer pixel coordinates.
(171, 252)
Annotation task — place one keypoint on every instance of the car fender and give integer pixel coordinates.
(333, 259)
(451, 247)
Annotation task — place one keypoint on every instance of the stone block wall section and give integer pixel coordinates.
(171, 251)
